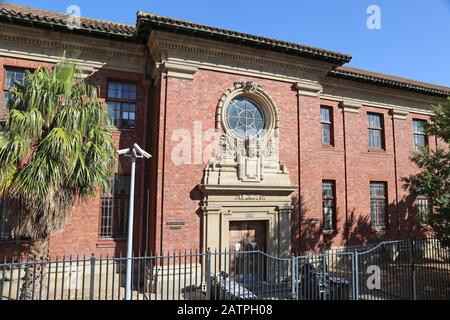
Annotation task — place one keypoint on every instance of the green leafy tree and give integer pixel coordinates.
(433, 181)
(55, 148)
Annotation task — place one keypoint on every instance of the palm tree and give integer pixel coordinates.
(55, 148)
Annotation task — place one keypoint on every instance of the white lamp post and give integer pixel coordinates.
(134, 153)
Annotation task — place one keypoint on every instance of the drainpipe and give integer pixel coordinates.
(397, 212)
(345, 175)
(299, 229)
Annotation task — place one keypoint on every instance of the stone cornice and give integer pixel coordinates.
(52, 44)
(22, 42)
(210, 55)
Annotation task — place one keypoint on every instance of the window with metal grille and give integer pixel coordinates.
(329, 204)
(12, 75)
(326, 119)
(423, 209)
(375, 125)
(122, 104)
(114, 209)
(378, 201)
(420, 138)
(5, 231)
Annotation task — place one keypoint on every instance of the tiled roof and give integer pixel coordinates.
(148, 21)
(389, 80)
(22, 14)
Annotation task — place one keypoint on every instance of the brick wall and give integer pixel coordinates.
(80, 234)
(167, 192)
(351, 164)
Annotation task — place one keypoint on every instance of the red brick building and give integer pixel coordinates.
(255, 141)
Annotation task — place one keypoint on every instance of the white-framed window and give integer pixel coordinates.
(422, 209)
(375, 126)
(326, 120)
(420, 138)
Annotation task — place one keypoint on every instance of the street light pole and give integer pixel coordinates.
(133, 153)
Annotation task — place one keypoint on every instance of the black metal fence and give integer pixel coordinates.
(404, 269)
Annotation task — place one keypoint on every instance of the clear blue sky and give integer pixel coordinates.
(414, 40)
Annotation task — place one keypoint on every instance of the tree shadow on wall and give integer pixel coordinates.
(197, 195)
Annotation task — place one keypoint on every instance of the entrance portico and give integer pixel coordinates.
(247, 183)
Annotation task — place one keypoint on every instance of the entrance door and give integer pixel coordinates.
(246, 237)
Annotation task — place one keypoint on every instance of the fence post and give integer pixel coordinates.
(324, 276)
(208, 274)
(356, 275)
(294, 276)
(413, 268)
(92, 282)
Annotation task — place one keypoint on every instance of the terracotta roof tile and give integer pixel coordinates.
(155, 21)
(149, 21)
(389, 80)
(21, 13)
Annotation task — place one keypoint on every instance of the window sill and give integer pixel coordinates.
(328, 146)
(329, 232)
(379, 228)
(109, 242)
(122, 129)
(376, 150)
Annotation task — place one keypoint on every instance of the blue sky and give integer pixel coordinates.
(413, 42)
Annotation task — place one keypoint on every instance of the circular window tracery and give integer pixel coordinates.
(245, 117)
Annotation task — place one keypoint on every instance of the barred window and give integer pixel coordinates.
(378, 201)
(114, 209)
(5, 231)
(420, 138)
(326, 117)
(328, 204)
(12, 75)
(423, 209)
(375, 126)
(122, 104)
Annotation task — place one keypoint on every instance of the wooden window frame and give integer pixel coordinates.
(381, 129)
(122, 101)
(330, 123)
(114, 198)
(416, 133)
(333, 208)
(5, 88)
(376, 224)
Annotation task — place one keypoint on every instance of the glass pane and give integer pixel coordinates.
(374, 120)
(326, 133)
(14, 75)
(120, 90)
(325, 114)
(245, 117)
(419, 126)
(375, 140)
(5, 231)
(7, 100)
(419, 141)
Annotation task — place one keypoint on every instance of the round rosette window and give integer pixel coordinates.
(245, 118)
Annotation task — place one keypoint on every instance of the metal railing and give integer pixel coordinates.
(402, 269)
